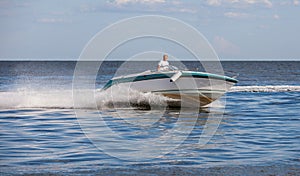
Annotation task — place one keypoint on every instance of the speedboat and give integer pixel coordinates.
(196, 88)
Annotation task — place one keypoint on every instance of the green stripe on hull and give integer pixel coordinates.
(167, 75)
(189, 90)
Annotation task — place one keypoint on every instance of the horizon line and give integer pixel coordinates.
(119, 60)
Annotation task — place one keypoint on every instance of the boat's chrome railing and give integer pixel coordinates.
(172, 68)
(168, 68)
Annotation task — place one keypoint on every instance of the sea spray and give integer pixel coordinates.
(63, 99)
(116, 97)
(267, 88)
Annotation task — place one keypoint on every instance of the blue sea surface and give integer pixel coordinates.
(258, 123)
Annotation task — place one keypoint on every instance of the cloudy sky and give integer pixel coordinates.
(237, 29)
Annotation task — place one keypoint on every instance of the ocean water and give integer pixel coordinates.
(257, 123)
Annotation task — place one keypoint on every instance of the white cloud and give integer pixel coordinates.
(160, 6)
(233, 1)
(236, 15)
(276, 17)
(122, 2)
(267, 3)
(52, 20)
(87, 8)
(214, 2)
(176, 2)
(12, 4)
(292, 2)
(224, 46)
(181, 10)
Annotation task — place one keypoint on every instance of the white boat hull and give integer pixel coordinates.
(201, 90)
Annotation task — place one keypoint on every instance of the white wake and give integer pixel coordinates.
(117, 97)
(63, 99)
(270, 88)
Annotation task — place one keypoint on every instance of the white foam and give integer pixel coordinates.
(118, 96)
(269, 88)
(63, 99)
(36, 99)
(115, 97)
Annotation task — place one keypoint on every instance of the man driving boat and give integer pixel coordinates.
(163, 65)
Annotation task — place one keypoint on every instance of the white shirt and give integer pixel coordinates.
(163, 65)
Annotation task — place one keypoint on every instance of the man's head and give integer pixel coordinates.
(165, 57)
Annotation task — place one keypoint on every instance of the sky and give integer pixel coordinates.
(237, 29)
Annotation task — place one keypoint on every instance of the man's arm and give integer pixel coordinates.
(158, 66)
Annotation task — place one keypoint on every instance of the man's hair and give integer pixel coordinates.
(165, 55)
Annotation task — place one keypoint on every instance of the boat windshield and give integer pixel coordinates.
(172, 68)
(167, 68)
